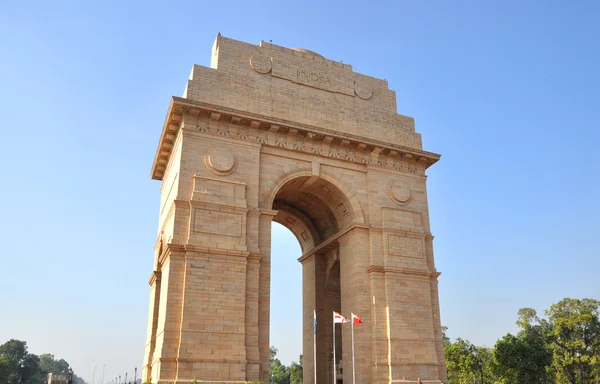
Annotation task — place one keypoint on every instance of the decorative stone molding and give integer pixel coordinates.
(154, 277)
(404, 271)
(220, 161)
(399, 192)
(264, 64)
(363, 93)
(285, 134)
(260, 63)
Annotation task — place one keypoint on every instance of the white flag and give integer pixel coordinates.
(338, 318)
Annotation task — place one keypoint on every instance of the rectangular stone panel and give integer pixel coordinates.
(405, 250)
(217, 223)
(219, 192)
(406, 246)
(321, 74)
(402, 220)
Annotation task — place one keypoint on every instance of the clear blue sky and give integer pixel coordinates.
(507, 91)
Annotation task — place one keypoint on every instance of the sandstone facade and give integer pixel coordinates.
(266, 134)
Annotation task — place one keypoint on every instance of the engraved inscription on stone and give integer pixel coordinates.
(306, 75)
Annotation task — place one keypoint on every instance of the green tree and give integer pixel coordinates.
(524, 358)
(460, 362)
(6, 369)
(14, 349)
(296, 372)
(467, 363)
(49, 364)
(445, 337)
(13, 353)
(278, 373)
(35, 369)
(573, 329)
(484, 369)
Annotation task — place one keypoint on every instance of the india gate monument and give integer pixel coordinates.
(270, 133)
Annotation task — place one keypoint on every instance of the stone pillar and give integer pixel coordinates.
(309, 304)
(331, 302)
(252, 319)
(168, 333)
(212, 344)
(410, 320)
(439, 340)
(264, 293)
(381, 352)
(356, 298)
(152, 325)
(380, 362)
(313, 299)
(435, 308)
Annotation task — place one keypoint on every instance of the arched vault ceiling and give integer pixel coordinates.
(319, 204)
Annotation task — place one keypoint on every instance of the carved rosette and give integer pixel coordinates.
(220, 161)
(399, 192)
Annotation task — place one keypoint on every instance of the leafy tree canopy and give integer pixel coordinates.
(34, 369)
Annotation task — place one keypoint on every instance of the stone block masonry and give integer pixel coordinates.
(270, 133)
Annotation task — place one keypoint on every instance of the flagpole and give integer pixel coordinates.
(353, 373)
(315, 345)
(334, 373)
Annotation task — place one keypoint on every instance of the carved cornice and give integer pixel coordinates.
(404, 271)
(217, 251)
(188, 360)
(183, 248)
(153, 277)
(286, 134)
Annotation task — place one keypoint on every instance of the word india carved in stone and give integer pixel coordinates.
(304, 75)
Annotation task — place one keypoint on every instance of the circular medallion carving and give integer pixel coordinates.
(260, 63)
(220, 161)
(399, 192)
(362, 92)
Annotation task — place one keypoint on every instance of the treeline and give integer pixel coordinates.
(281, 374)
(562, 347)
(18, 365)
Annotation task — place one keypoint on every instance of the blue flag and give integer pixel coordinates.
(315, 316)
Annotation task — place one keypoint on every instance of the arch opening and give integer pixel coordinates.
(315, 210)
(286, 294)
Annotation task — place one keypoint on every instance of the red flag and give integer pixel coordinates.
(356, 319)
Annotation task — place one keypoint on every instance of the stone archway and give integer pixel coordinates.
(276, 134)
(317, 212)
